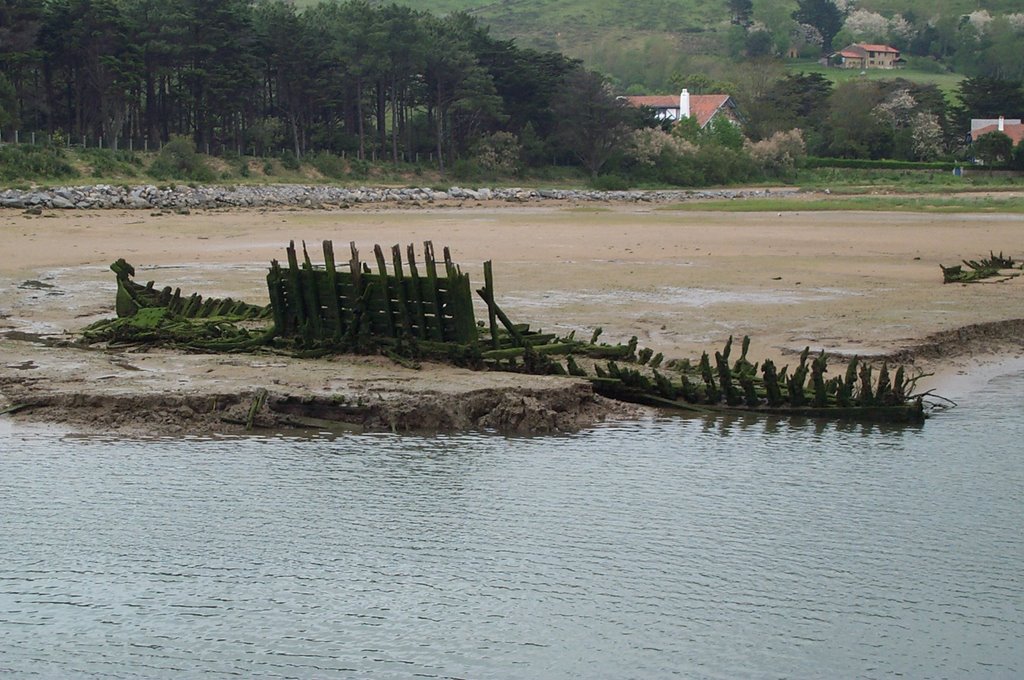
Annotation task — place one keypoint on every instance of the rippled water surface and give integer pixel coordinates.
(671, 548)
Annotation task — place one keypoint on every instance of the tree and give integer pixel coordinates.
(290, 64)
(823, 15)
(20, 58)
(722, 132)
(853, 129)
(927, 137)
(794, 101)
(593, 125)
(993, 148)
(740, 11)
(8, 103)
(759, 44)
(462, 96)
(985, 97)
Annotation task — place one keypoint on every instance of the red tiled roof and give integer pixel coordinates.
(1014, 132)
(878, 48)
(860, 50)
(656, 101)
(702, 106)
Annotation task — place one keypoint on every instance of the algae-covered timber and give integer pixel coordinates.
(979, 270)
(316, 310)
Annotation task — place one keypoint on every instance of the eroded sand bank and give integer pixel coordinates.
(682, 282)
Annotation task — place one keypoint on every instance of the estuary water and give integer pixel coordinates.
(675, 547)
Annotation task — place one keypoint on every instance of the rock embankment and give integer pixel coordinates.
(184, 197)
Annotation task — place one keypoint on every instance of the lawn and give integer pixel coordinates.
(947, 82)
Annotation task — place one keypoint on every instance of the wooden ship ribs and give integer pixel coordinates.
(413, 312)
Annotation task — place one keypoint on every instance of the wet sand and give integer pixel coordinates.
(682, 282)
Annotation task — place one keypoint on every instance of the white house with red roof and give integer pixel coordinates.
(702, 107)
(865, 55)
(1011, 127)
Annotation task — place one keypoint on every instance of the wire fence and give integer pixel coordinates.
(143, 144)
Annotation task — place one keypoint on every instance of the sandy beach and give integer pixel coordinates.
(847, 282)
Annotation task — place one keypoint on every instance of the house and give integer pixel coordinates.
(1011, 127)
(702, 107)
(864, 56)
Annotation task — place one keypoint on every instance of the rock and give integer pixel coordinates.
(182, 198)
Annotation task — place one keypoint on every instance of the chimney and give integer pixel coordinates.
(1002, 123)
(684, 104)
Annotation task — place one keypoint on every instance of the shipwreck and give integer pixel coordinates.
(423, 309)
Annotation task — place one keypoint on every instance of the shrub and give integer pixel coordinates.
(465, 170)
(289, 161)
(722, 165)
(868, 164)
(34, 162)
(268, 167)
(328, 165)
(499, 154)
(107, 162)
(779, 155)
(610, 183)
(178, 160)
(358, 169)
(648, 146)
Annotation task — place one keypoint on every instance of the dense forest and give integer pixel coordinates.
(387, 82)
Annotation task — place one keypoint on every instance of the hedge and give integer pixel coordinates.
(866, 164)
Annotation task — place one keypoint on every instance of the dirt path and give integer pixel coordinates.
(682, 282)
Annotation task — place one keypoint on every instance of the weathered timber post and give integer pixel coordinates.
(400, 285)
(818, 370)
(771, 383)
(417, 294)
(492, 316)
(331, 303)
(710, 388)
(437, 326)
(385, 293)
(293, 290)
(311, 294)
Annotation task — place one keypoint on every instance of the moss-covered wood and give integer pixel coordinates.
(317, 310)
(322, 304)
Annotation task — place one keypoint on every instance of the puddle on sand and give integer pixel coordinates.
(683, 297)
(23, 366)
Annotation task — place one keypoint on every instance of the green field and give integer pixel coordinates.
(947, 82)
(925, 204)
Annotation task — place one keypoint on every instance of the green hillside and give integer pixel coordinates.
(648, 45)
(550, 22)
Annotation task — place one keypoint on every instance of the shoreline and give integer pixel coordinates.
(355, 394)
(682, 282)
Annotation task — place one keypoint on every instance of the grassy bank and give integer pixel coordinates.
(925, 204)
(23, 166)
